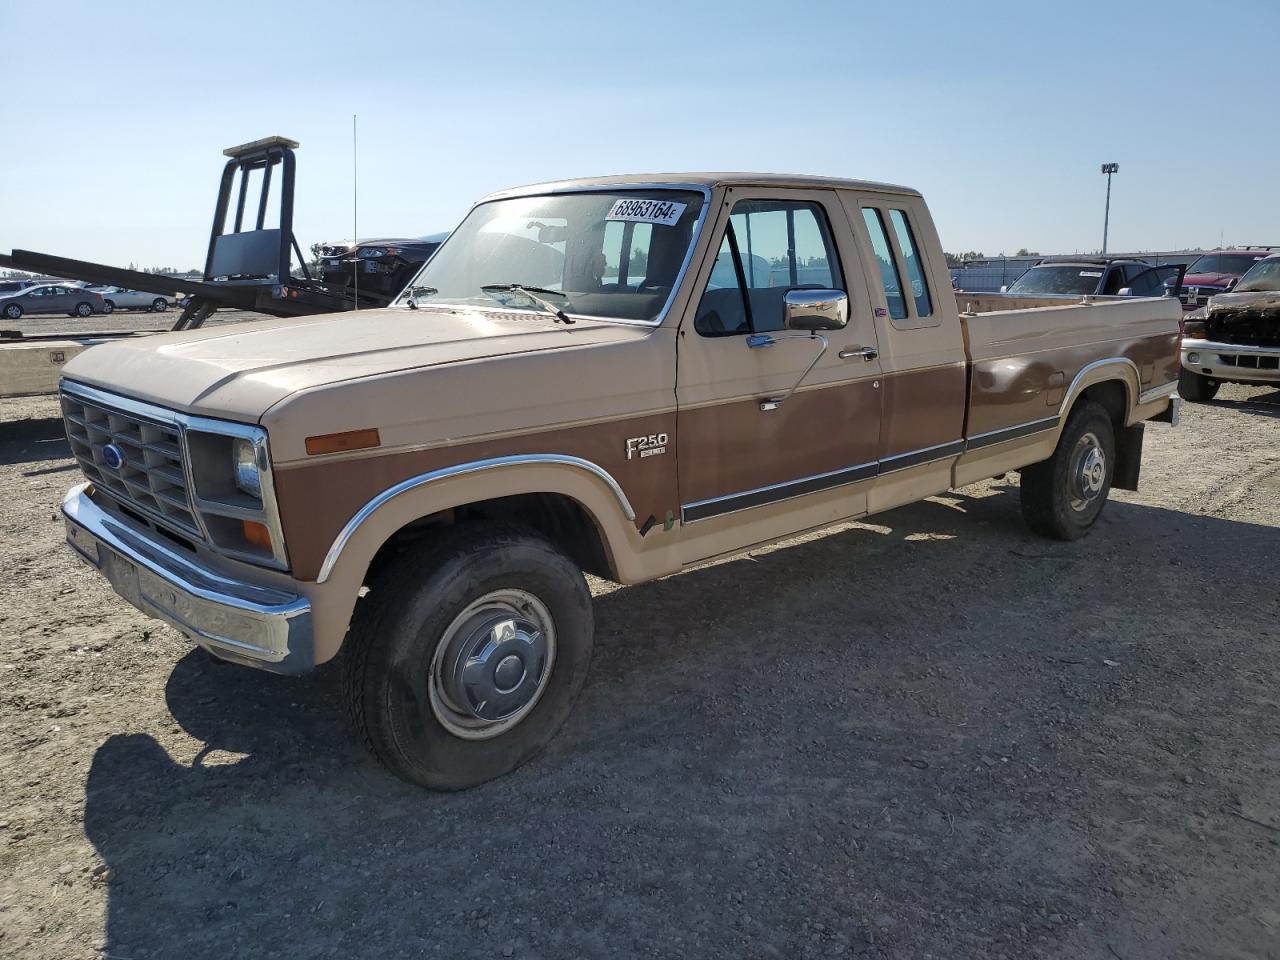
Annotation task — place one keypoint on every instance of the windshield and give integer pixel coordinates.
(1077, 280)
(615, 254)
(1264, 275)
(1224, 263)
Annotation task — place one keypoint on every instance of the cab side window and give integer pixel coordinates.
(912, 262)
(770, 247)
(889, 277)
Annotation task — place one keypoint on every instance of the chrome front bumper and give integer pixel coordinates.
(252, 624)
(1231, 361)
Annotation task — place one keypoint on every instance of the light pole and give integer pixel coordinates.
(1108, 169)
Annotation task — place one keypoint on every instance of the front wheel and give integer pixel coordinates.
(1062, 497)
(108, 306)
(159, 304)
(13, 311)
(84, 309)
(1195, 387)
(467, 655)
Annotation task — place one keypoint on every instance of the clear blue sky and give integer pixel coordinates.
(116, 114)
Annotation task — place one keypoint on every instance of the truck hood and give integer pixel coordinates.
(1209, 279)
(239, 370)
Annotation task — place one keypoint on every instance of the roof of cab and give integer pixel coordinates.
(707, 180)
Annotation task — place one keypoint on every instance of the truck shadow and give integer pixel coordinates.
(885, 739)
(1263, 404)
(33, 441)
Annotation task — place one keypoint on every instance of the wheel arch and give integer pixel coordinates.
(1112, 382)
(572, 502)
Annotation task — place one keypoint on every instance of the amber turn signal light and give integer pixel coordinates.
(338, 442)
(257, 534)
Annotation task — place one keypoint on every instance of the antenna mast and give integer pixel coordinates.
(355, 215)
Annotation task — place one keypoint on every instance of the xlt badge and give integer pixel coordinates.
(650, 446)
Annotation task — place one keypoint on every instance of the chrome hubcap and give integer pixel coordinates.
(1088, 473)
(492, 665)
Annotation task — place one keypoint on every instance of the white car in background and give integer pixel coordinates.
(118, 298)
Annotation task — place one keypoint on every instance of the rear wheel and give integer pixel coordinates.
(159, 304)
(84, 309)
(1062, 497)
(1196, 387)
(13, 311)
(467, 655)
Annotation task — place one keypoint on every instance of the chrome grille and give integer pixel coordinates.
(150, 478)
(1199, 296)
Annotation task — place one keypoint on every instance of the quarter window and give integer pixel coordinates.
(889, 277)
(773, 246)
(912, 262)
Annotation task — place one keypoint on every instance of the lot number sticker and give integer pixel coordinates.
(664, 212)
(1090, 273)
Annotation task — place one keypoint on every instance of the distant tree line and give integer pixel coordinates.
(956, 259)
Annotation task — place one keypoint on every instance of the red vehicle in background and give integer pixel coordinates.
(1217, 272)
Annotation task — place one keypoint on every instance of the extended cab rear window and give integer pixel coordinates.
(889, 276)
(911, 260)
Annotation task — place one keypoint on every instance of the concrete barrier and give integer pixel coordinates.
(32, 367)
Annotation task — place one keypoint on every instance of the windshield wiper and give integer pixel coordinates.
(411, 301)
(532, 294)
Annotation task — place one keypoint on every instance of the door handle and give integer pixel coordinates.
(866, 353)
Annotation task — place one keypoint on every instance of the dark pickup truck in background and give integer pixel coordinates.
(382, 266)
(1095, 276)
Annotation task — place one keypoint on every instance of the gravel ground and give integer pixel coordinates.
(927, 735)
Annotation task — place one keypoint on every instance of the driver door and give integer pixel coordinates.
(750, 468)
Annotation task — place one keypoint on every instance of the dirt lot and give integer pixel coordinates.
(929, 735)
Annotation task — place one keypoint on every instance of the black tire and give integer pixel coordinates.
(108, 306)
(417, 603)
(159, 305)
(1062, 497)
(13, 311)
(1196, 388)
(84, 309)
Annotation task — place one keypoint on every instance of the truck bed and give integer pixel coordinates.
(1023, 359)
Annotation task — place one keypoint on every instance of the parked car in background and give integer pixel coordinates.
(13, 286)
(1217, 272)
(1235, 338)
(118, 298)
(1094, 276)
(52, 298)
(384, 267)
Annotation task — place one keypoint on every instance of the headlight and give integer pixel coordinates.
(244, 465)
(232, 493)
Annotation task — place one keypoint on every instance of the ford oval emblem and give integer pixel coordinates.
(113, 456)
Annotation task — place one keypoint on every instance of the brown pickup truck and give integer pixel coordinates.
(623, 376)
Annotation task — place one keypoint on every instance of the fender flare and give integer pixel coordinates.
(1102, 371)
(589, 484)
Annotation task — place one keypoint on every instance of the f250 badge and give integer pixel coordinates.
(650, 446)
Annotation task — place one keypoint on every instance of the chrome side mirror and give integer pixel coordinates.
(1125, 292)
(814, 310)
